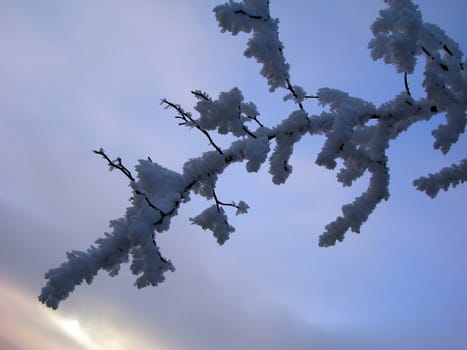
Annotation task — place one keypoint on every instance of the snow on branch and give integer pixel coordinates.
(264, 45)
(450, 176)
(357, 136)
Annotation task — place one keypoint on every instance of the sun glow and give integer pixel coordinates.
(27, 324)
(75, 331)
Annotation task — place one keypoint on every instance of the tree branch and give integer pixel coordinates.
(242, 12)
(186, 117)
(117, 164)
(406, 84)
(358, 135)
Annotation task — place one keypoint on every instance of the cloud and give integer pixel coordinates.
(27, 324)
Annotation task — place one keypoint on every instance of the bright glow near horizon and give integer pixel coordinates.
(26, 324)
(74, 330)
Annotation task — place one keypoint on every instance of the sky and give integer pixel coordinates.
(81, 75)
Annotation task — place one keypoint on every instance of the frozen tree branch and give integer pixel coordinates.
(450, 176)
(189, 121)
(115, 164)
(357, 136)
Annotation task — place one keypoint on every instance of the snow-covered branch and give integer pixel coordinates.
(450, 176)
(357, 133)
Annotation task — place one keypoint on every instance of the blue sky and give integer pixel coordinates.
(83, 75)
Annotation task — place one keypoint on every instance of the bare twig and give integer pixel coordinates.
(441, 64)
(242, 12)
(201, 95)
(220, 203)
(117, 164)
(255, 118)
(406, 84)
(249, 132)
(293, 92)
(186, 117)
(447, 50)
(427, 52)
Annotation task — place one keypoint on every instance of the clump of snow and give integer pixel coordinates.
(256, 152)
(242, 208)
(288, 132)
(397, 31)
(264, 45)
(227, 114)
(450, 176)
(215, 220)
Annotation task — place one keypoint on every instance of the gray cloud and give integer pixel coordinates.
(5, 344)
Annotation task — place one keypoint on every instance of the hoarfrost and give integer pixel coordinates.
(357, 134)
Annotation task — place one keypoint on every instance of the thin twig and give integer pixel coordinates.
(117, 164)
(189, 120)
(250, 133)
(406, 84)
(447, 50)
(242, 12)
(441, 64)
(200, 94)
(294, 93)
(427, 52)
(219, 203)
